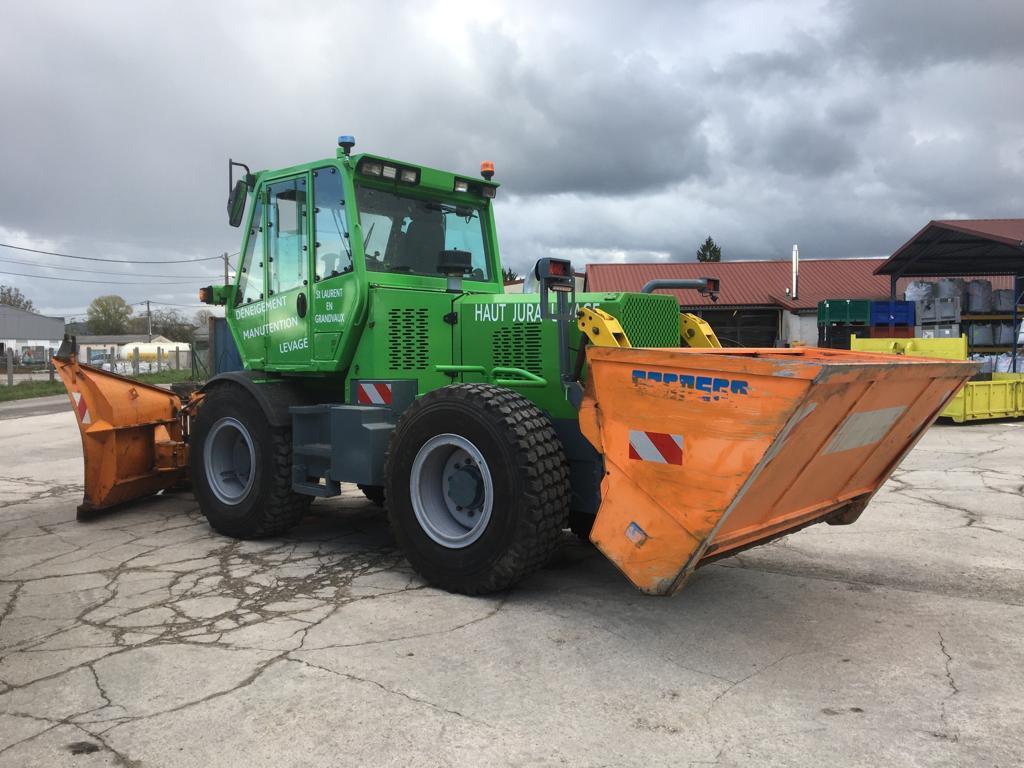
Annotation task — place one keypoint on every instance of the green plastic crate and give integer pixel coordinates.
(848, 311)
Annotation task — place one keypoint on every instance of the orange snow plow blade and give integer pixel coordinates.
(710, 451)
(132, 437)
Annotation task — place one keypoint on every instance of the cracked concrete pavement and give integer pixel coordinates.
(144, 639)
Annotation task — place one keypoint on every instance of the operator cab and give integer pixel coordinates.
(321, 238)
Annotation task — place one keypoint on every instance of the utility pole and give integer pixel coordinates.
(149, 322)
(225, 257)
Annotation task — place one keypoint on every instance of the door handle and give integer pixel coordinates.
(301, 305)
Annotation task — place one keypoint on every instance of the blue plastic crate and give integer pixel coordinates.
(892, 313)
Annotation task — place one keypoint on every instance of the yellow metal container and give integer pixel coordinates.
(942, 349)
(1000, 398)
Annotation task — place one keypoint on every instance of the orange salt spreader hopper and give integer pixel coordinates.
(710, 451)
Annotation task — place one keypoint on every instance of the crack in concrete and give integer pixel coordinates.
(954, 690)
(394, 691)
(733, 686)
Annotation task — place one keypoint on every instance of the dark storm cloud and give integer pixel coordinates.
(605, 126)
(805, 59)
(916, 33)
(811, 151)
(618, 131)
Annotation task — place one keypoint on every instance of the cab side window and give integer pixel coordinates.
(286, 230)
(250, 276)
(333, 252)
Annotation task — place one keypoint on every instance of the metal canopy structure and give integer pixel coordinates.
(954, 248)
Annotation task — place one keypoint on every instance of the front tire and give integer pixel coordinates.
(477, 487)
(242, 467)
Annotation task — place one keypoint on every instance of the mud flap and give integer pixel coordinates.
(711, 451)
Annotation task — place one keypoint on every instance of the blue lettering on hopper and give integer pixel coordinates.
(708, 384)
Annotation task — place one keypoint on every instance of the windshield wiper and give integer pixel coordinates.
(366, 240)
(342, 235)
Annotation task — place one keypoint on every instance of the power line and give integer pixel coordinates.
(102, 282)
(114, 261)
(169, 304)
(90, 271)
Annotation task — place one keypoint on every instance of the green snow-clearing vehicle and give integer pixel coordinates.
(380, 349)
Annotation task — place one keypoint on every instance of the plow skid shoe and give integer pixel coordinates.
(131, 435)
(710, 451)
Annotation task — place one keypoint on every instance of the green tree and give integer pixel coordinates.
(12, 296)
(510, 274)
(709, 251)
(108, 315)
(167, 322)
(172, 324)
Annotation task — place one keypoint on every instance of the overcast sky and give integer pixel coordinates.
(620, 131)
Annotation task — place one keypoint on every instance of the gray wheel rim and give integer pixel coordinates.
(451, 490)
(230, 461)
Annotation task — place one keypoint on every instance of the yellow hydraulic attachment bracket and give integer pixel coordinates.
(602, 329)
(695, 332)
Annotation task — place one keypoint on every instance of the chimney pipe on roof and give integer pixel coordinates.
(796, 271)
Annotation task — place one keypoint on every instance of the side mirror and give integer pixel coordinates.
(236, 202)
(712, 289)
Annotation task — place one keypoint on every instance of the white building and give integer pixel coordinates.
(31, 336)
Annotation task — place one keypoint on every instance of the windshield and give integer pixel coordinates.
(406, 235)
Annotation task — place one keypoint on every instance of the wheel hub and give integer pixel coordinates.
(451, 490)
(466, 487)
(229, 458)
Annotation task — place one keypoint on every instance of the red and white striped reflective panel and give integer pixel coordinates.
(81, 408)
(659, 447)
(374, 393)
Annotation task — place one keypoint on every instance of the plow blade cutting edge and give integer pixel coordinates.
(708, 452)
(132, 438)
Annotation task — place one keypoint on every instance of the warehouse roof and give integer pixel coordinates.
(9, 309)
(953, 246)
(752, 283)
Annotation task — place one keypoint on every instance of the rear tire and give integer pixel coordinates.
(477, 487)
(242, 467)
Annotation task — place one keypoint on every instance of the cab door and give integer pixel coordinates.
(337, 301)
(248, 313)
(289, 319)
